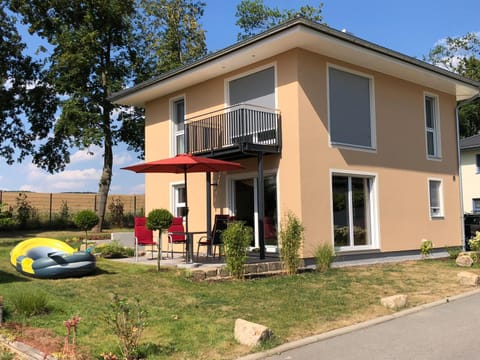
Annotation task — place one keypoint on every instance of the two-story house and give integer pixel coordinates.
(470, 165)
(358, 141)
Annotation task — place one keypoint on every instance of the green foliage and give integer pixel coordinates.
(462, 56)
(26, 112)
(291, 239)
(29, 302)
(159, 219)
(24, 209)
(475, 242)
(453, 252)
(114, 250)
(324, 256)
(127, 320)
(426, 247)
(116, 212)
(7, 220)
(253, 16)
(85, 220)
(236, 238)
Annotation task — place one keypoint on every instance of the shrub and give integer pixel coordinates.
(475, 242)
(324, 256)
(24, 210)
(85, 220)
(291, 238)
(114, 250)
(159, 219)
(426, 248)
(29, 302)
(453, 252)
(236, 239)
(116, 212)
(127, 320)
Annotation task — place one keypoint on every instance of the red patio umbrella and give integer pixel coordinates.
(184, 163)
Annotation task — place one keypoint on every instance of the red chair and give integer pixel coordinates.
(176, 234)
(143, 235)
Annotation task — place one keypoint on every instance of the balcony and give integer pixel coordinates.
(234, 132)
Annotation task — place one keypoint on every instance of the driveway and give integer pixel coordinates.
(443, 330)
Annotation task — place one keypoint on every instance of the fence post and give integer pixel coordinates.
(50, 212)
(134, 205)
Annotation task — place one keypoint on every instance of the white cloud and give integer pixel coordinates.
(68, 180)
(92, 153)
(123, 158)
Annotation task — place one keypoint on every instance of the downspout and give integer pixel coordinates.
(457, 120)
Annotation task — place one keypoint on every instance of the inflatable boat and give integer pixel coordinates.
(50, 258)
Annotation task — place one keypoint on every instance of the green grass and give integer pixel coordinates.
(195, 320)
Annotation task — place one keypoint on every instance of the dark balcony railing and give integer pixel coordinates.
(234, 127)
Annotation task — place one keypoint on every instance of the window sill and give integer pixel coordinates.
(353, 147)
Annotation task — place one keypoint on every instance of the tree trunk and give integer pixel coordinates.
(106, 178)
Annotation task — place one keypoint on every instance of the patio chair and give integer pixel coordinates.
(143, 235)
(176, 234)
(215, 240)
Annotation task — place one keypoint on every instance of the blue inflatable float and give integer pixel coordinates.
(50, 258)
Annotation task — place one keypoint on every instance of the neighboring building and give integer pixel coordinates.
(470, 164)
(356, 140)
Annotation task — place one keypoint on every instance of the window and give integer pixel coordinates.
(432, 127)
(179, 205)
(351, 109)
(178, 116)
(435, 194)
(254, 89)
(476, 205)
(477, 162)
(352, 211)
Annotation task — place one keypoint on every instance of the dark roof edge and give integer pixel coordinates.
(298, 21)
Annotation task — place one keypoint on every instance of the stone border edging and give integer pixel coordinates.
(345, 330)
(25, 351)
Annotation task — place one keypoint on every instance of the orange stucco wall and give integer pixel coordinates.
(399, 162)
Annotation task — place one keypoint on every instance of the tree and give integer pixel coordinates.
(86, 220)
(461, 55)
(253, 16)
(159, 219)
(27, 103)
(98, 49)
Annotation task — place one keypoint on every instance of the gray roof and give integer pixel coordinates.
(394, 56)
(471, 142)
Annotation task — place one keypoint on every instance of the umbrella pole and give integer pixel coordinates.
(209, 212)
(189, 250)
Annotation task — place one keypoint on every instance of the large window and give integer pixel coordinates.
(352, 211)
(432, 127)
(435, 198)
(254, 89)
(351, 109)
(477, 163)
(476, 205)
(178, 117)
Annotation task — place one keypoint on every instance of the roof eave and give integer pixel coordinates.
(302, 33)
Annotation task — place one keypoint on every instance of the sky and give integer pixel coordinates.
(411, 27)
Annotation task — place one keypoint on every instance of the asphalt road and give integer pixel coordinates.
(444, 332)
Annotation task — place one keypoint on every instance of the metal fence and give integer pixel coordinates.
(49, 204)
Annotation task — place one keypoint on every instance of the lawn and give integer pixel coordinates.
(195, 320)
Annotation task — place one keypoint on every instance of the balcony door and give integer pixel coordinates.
(244, 206)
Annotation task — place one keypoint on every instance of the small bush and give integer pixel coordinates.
(114, 250)
(85, 220)
(426, 248)
(453, 252)
(236, 239)
(29, 302)
(116, 212)
(127, 320)
(475, 242)
(291, 238)
(324, 256)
